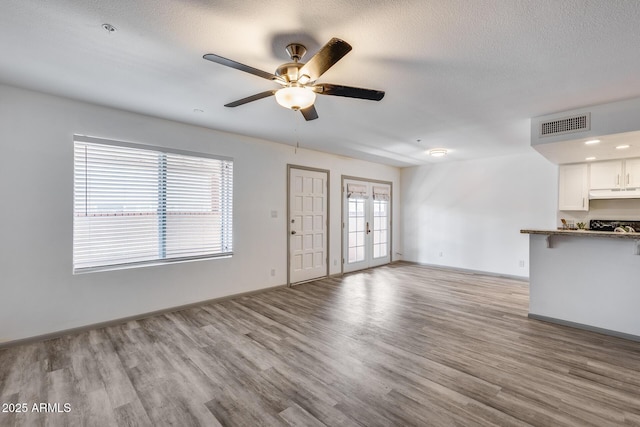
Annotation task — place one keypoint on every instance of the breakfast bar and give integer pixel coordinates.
(586, 279)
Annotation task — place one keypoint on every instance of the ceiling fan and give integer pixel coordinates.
(298, 80)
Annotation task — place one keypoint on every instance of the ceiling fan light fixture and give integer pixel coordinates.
(295, 97)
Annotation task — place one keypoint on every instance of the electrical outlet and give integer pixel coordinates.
(440, 254)
(521, 263)
(335, 262)
(273, 272)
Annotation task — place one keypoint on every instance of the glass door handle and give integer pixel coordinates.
(368, 229)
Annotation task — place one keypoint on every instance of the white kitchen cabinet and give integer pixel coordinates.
(632, 174)
(573, 194)
(606, 175)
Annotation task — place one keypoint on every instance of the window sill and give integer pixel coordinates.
(153, 263)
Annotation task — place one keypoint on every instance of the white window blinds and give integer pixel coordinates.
(133, 205)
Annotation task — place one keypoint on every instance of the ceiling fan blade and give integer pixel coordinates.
(309, 113)
(250, 98)
(238, 66)
(326, 58)
(349, 91)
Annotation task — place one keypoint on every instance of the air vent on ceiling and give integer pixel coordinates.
(566, 125)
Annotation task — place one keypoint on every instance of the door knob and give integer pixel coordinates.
(293, 231)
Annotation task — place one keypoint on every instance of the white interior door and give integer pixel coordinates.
(308, 202)
(366, 224)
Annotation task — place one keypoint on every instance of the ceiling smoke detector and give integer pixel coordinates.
(109, 28)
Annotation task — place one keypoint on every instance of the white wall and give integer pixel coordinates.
(38, 292)
(471, 212)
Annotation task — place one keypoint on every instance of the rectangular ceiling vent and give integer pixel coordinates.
(567, 125)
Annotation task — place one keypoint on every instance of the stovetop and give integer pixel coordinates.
(611, 224)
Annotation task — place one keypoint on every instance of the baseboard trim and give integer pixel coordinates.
(469, 271)
(58, 334)
(584, 327)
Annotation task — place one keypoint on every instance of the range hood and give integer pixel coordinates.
(614, 194)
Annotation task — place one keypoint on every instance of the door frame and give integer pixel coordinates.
(342, 219)
(312, 169)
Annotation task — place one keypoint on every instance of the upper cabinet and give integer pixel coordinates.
(606, 175)
(612, 179)
(615, 174)
(632, 173)
(573, 194)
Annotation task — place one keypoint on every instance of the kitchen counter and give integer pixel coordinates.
(584, 233)
(586, 279)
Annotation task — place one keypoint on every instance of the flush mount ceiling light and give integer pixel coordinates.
(622, 147)
(590, 158)
(295, 97)
(592, 141)
(438, 152)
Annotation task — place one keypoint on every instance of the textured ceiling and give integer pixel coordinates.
(461, 74)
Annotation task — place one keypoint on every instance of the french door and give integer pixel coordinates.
(308, 224)
(366, 224)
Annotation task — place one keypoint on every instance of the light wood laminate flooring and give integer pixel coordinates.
(393, 346)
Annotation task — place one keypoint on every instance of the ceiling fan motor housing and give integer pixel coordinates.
(289, 71)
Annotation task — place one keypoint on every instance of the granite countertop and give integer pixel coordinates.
(584, 233)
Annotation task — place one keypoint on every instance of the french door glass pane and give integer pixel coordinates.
(356, 230)
(380, 231)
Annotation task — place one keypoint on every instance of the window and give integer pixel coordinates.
(134, 205)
